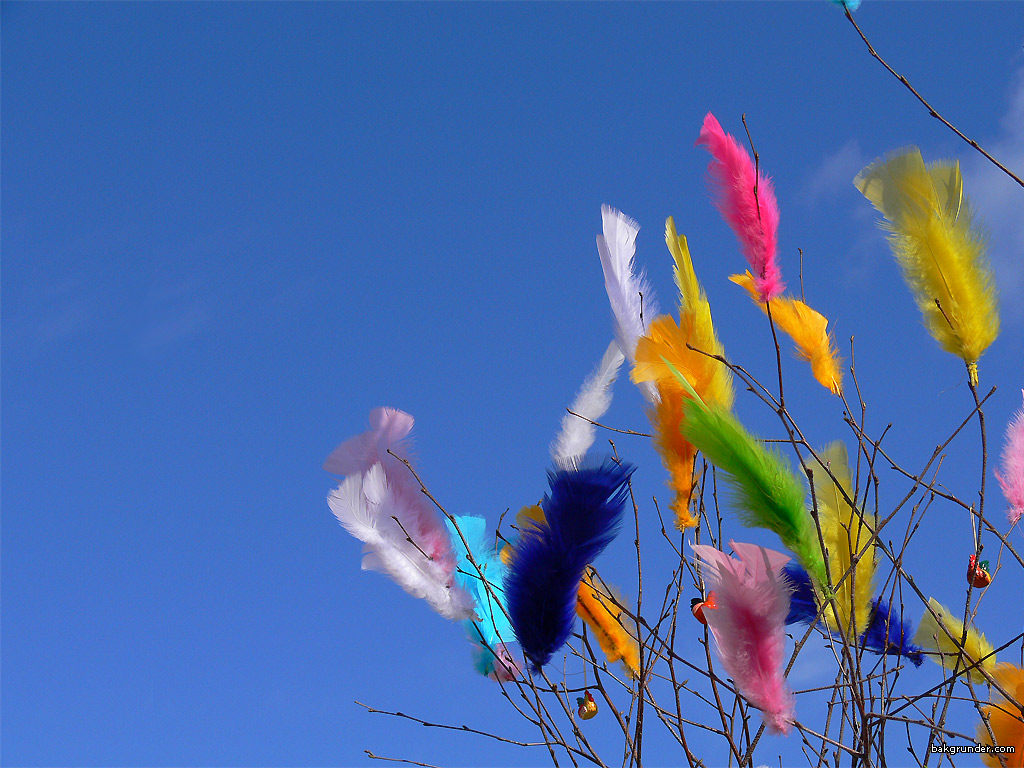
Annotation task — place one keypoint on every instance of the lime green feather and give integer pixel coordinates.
(767, 492)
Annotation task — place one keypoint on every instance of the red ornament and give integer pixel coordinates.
(977, 573)
(698, 606)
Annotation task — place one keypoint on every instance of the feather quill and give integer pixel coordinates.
(669, 340)
(367, 506)
(1011, 479)
(848, 538)
(940, 634)
(887, 632)
(809, 331)
(617, 249)
(593, 399)
(749, 630)
(753, 218)
(582, 513)
(766, 492)
(939, 249)
(1004, 717)
(615, 632)
(469, 539)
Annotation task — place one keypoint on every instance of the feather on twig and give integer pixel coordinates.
(1004, 717)
(368, 507)
(1011, 479)
(493, 629)
(766, 492)
(669, 340)
(754, 218)
(582, 513)
(617, 249)
(577, 435)
(939, 249)
(748, 625)
(940, 633)
(809, 331)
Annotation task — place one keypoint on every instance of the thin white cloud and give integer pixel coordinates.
(834, 174)
(998, 201)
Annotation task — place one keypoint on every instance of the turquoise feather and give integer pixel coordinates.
(494, 627)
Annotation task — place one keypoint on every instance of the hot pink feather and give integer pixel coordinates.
(749, 625)
(389, 429)
(1012, 477)
(754, 220)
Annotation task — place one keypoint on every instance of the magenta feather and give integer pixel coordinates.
(755, 220)
(749, 625)
(1012, 477)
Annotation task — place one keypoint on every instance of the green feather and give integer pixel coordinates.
(767, 492)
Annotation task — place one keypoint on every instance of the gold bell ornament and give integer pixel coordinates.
(586, 707)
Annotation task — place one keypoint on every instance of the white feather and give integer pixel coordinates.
(366, 506)
(617, 248)
(593, 399)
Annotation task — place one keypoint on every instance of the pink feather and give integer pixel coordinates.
(754, 220)
(389, 428)
(1012, 477)
(749, 625)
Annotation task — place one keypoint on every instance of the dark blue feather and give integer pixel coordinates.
(887, 633)
(582, 514)
(802, 608)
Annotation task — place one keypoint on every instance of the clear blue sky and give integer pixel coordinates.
(230, 230)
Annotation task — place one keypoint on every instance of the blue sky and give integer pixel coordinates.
(230, 230)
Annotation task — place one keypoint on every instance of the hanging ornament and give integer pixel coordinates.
(586, 707)
(977, 573)
(697, 607)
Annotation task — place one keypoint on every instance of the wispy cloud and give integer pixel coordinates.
(999, 201)
(834, 174)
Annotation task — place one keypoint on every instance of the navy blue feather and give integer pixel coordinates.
(582, 515)
(887, 633)
(802, 608)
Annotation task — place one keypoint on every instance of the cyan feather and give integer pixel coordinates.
(582, 514)
(493, 627)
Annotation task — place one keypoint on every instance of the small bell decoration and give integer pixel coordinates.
(586, 707)
(977, 573)
(697, 607)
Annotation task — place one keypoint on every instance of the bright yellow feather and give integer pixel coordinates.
(668, 340)
(605, 620)
(931, 637)
(808, 329)
(847, 536)
(939, 249)
(1004, 716)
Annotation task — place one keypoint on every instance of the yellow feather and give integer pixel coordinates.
(527, 516)
(939, 249)
(808, 329)
(932, 637)
(604, 618)
(847, 536)
(668, 340)
(1004, 716)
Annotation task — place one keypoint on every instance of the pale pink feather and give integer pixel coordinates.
(749, 625)
(1012, 477)
(389, 429)
(755, 221)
